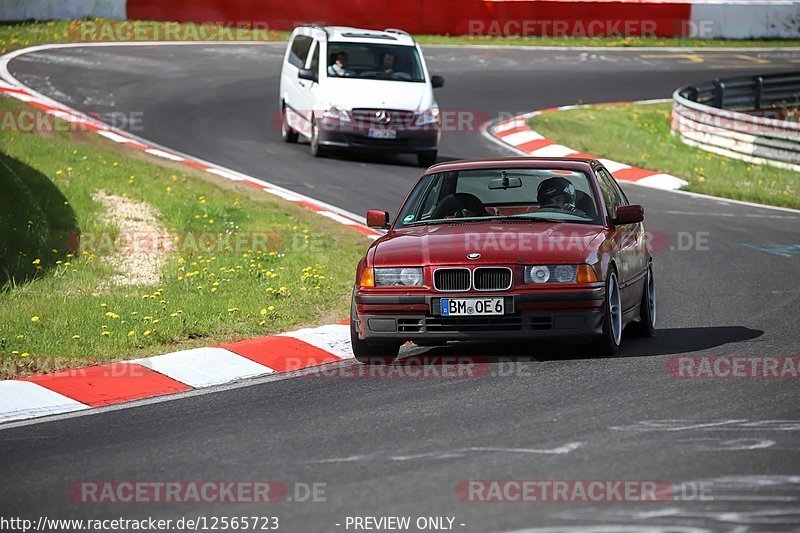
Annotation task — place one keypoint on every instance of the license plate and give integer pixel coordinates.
(472, 306)
(382, 133)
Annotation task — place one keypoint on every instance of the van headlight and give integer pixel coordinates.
(336, 112)
(398, 277)
(428, 117)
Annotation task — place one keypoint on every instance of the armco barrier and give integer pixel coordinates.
(61, 9)
(743, 118)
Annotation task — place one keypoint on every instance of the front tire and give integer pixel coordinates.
(317, 150)
(608, 343)
(646, 326)
(426, 159)
(370, 353)
(287, 132)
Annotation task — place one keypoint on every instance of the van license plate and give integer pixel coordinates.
(382, 133)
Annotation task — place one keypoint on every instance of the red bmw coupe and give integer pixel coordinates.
(513, 248)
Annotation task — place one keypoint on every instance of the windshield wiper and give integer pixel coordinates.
(518, 218)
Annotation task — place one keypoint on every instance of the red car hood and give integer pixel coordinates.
(496, 242)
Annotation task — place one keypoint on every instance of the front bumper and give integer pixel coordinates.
(407, 140)
(414, 318)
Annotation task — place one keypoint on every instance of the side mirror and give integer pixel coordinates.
(307, 74)
(377, 219)
(437, 81)
(629, 214)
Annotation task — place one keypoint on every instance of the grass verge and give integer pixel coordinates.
(282, 266)
(639, 135)
(21, 35)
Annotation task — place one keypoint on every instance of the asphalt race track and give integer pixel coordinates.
(400, 446)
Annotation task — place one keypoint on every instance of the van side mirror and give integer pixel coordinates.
(629, 214)
(307, 74)
(377, 219)
(437, 81)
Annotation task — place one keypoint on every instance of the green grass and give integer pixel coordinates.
(58, 309)
(21, 35)
(639, 135)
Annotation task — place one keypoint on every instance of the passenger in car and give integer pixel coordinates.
(339, 66)
(387, 65)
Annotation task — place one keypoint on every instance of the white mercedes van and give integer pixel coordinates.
(349, 88)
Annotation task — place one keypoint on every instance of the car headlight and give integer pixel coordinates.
(429, 116)
(397, 277)
(539, 274)
(336, 112)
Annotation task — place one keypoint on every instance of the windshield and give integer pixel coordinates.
(554, 195)
(374, 61)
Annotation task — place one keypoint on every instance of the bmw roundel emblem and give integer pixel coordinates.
(474, 255)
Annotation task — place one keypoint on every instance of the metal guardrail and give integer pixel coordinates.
(743, 118)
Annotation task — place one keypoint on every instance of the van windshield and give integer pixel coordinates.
(374, 61)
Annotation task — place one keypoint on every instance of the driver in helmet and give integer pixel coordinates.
(557, 193)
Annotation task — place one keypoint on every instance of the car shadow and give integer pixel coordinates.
(382, 158)
(668, 341)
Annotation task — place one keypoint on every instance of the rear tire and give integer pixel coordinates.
(608, 343)
(426, 159)
(316, 149)
(646, 326)
(288, 133)
(370, 353)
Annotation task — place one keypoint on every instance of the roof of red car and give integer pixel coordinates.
(513, 162)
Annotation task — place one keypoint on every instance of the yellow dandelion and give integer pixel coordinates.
(106, 333)
(263, 311)
(131, 333)
(146, 332)
(35, 319)
(76, 337)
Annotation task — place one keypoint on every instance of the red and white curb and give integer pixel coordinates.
(516, 133)
(172, 373)
(178, 372)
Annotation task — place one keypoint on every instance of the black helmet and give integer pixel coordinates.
(552, 187)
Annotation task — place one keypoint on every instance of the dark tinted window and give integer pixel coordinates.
(389, 62)
(300, 47)
(315, 59)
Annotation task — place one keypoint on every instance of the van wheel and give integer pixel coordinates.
(288, 133)
(316, 149)
(426, 159)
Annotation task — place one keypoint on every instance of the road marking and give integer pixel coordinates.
(787, 250)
